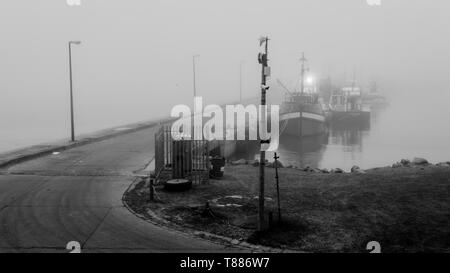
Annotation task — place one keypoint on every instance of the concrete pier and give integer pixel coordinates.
(75, 194)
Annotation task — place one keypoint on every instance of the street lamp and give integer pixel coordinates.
(240, 80)
(193, 67)
(71, 89)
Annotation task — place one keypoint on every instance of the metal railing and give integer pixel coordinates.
(184, 159)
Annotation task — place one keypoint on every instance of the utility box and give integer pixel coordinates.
(217, 167)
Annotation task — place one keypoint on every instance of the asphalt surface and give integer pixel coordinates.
(76, 196)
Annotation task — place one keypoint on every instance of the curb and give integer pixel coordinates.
(158, 221)
(50, 148)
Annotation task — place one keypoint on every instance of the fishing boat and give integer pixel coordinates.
(302, 112)
(374, 98)
(346, 107)
(302, 115)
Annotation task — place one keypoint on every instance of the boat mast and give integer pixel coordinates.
(353, 90)
(302, 89)
(303, 61)
(354, 79)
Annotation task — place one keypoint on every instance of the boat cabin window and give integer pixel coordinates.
(306, 98)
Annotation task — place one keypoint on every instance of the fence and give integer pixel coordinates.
(186, 159)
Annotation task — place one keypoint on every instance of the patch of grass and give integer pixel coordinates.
(405, 209)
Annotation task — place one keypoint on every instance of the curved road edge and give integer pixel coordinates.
(214, 238)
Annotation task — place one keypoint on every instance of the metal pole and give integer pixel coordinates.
(262, 153)
(193, 68)
(71, 95)
(278, 186)
(240, 82)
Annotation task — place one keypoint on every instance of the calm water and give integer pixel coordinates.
(410, 127)
(393, 134)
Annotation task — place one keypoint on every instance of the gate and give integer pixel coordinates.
(186, 159)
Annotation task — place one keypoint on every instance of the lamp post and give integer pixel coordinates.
(71, 89)
(240, 80)
(193, 68)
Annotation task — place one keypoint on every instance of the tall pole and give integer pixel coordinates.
(262, 163)
(193, 67)
(71, 95)
(72, 123)
(240, 81)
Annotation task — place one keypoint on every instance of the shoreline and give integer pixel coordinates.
(405, 208)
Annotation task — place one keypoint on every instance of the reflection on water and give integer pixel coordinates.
(340, 145)
(389, 138)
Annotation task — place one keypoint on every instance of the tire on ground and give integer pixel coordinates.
(178, 185)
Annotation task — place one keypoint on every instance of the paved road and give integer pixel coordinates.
(76, 196)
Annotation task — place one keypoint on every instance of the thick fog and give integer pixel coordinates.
(135, 60)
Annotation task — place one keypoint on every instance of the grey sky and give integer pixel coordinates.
(136, 58)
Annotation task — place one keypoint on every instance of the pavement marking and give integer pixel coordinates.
(96, 228)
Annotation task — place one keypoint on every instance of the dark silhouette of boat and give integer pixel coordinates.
(346, 107)
(302, 115)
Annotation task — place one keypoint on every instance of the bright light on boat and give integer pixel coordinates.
(309, 80)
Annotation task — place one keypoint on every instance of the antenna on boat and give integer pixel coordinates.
(304, 69)
(354, 79)
(284, 87)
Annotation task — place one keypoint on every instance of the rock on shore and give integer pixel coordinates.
(357, 169)
(273, 164)
(416, 162)
(239, 162)
(337, 170)
(420, 161)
